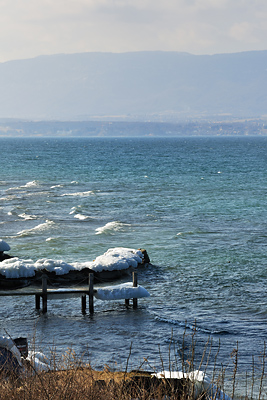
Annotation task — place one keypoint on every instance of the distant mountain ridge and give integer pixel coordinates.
(134, 85)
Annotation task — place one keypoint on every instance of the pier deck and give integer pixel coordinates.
(63, 293)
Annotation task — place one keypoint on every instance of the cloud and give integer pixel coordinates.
(29, 28)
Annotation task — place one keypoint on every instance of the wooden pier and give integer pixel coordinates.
(45, 294)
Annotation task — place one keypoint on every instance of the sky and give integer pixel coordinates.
(29, 28)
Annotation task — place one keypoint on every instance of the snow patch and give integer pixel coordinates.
(122, 291)
(118, 258)
(201, 383)
(114, 259)
(39, 361)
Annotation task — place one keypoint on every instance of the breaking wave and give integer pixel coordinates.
(81, 217)
(56, 186)
(41, 227)
(9, 197)
(31, 184)
(27, 216)
(80, 194)
(111, 227)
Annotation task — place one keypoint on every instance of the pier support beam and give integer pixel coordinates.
(134, 285)
(91, 293)
(84, 304)
(44, 293)
(37, 301)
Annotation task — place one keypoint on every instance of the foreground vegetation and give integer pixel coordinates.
(72, 379)
(84, 383)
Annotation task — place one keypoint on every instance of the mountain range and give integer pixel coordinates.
(143, 86)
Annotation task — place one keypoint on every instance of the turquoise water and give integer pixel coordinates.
(197, 205)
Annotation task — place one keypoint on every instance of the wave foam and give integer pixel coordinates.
(75, 210)
(78, 194)
(111, 227)
(56, 186)
(31, 184)
(81, 217)
(9, 197)
(41, 227)
(27, 216)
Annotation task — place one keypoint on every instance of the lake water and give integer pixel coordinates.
(198, 206)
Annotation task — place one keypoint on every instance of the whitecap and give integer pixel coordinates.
(81, 194)
(40, 227)
(56, 186)
(14, 188)
(184, 233)
(111, 227)
(27, 216)
(74, 210)
(31, 184)
(9, 197)
(81, 217)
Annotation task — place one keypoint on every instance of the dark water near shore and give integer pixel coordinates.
(197, 205)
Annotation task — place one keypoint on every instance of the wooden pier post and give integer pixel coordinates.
(44, 293)
(91, 293)
(37, 301)
(84, 304)
(134, 285)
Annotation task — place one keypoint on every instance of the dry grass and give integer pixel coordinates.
(85, 383)
(71, 379)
